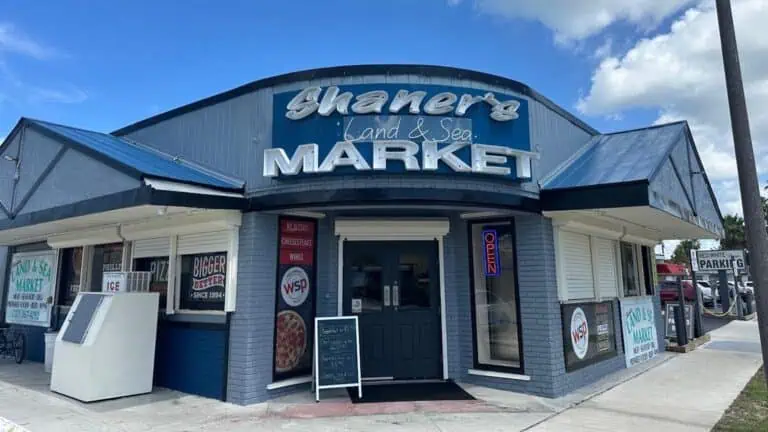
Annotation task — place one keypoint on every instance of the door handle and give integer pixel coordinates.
(386, 295)
(396, 295)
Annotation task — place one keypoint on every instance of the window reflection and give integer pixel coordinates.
(415, 282)
(496, 321)
(366, 282)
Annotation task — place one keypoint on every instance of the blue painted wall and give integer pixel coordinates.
(191, 359)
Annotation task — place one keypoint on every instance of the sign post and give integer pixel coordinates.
(337, 354)
(697, 302)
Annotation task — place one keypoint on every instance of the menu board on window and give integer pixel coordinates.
(203, 281)
(295, 300)
(30, 288)
(588, 330)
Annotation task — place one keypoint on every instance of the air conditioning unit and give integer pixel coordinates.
(136, 281)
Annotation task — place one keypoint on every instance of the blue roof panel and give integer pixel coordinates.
(146, 160)
(620, 157)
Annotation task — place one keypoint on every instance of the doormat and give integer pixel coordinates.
(447, 390)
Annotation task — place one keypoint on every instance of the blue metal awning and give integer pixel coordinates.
(136, 159)
(657, 168)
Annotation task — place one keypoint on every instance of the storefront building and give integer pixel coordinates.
(480, 232)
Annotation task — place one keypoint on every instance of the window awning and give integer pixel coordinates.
(53, 177)
(650, 179)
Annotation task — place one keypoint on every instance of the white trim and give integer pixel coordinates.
(503, 375)
(88, 237)
(443, 332)
(127, 256)
(190, 223)
(290, 382)
(391, 229)
(562, 289)
(304, 214)
(595, 268)
(171, 297)
(581, 228)
(230, 291)
(340, 278)
(629, 238)
(166, 185)
(486, 214)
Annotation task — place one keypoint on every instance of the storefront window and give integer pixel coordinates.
(629, 270)
(158, 266)
(69, 282)
(648, 270)
(106, 258)
(203, 281)
(495, 296)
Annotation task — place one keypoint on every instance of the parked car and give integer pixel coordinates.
(669, 292)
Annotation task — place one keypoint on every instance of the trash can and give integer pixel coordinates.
(50, 343)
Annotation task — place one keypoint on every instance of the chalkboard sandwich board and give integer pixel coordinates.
(337, 354)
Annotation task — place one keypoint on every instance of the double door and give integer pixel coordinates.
(393, 287)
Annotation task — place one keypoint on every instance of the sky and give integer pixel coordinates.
(616, 64)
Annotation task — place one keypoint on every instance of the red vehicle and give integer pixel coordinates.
(668, 291)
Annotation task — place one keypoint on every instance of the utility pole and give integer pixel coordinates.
(757, 238)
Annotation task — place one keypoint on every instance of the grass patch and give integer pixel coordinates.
(749, 412)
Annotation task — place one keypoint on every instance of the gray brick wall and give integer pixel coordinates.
(252, 326)
(539, 308)
(568, 382)
(251, 338)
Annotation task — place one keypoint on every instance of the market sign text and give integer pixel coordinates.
(388, 128)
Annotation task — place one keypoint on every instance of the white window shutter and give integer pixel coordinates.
(577, 265)
(608, 279)
(155, 247)
(203, 242)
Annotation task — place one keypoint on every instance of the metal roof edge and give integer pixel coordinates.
(570, 160)
(351, 70)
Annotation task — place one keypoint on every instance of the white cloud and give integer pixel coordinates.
(579, 19)
(16, 87)
(69, 95)
(680, 73)
(604, 50)
(13, 41)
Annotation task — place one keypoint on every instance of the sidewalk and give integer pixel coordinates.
(689, 393)
(673, 392)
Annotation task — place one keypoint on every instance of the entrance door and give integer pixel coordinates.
(393, 287)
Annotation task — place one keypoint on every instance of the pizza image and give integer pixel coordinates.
(290, 340)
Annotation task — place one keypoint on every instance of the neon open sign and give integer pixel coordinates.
(491, 265)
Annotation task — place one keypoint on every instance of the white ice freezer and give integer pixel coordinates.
(106, 347)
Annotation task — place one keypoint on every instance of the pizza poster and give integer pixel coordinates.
(295, 300)
(203, 281)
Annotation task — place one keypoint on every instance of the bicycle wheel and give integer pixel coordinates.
(19, 348)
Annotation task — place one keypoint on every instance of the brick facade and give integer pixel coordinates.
(252, 326)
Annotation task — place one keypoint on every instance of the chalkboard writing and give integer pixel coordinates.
(337, 352)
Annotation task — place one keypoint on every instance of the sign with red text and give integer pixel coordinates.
(491, 265)
(203, 280)
(295, 306)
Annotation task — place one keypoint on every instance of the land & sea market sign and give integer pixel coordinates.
(639, 323)
(31, 288)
